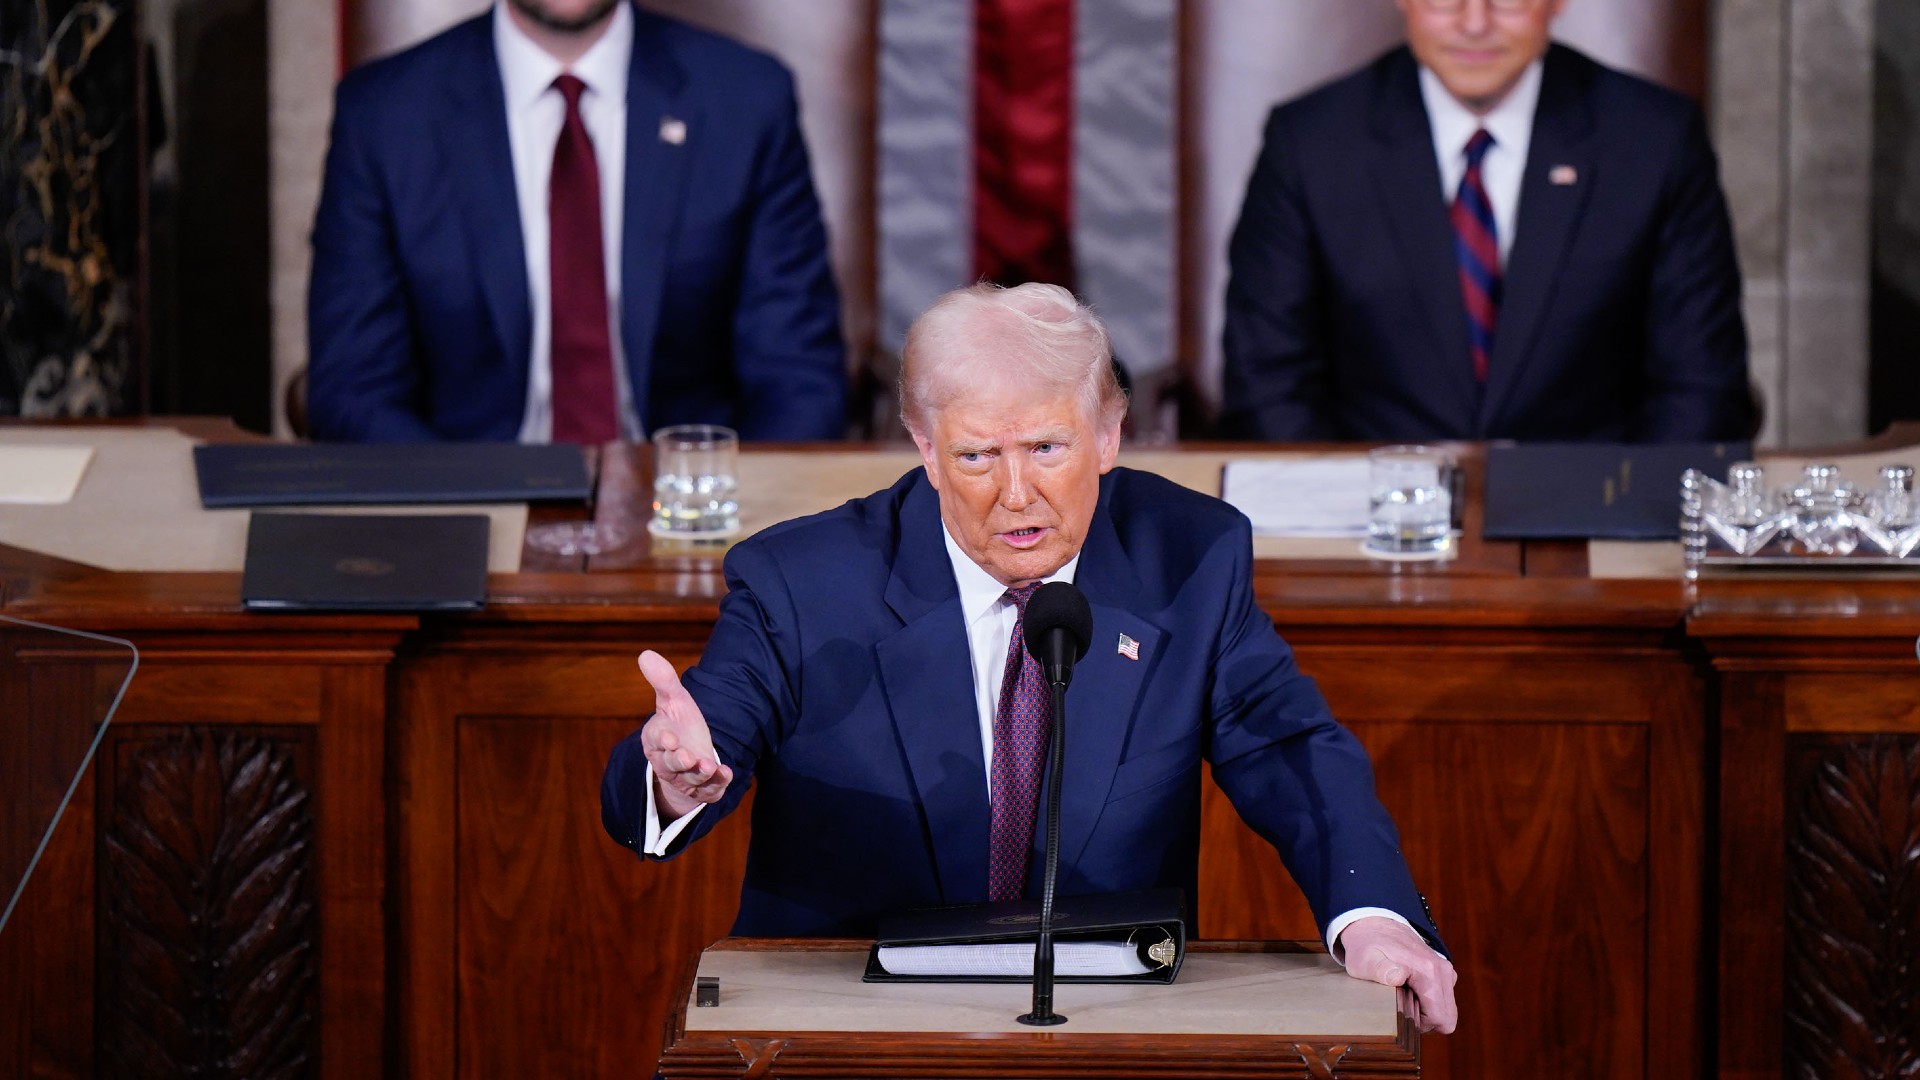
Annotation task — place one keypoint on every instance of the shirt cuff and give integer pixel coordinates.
(657, 840)
(1333, 928)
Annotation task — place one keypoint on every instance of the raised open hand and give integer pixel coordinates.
(686, 771)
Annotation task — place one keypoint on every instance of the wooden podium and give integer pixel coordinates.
(797, 1008)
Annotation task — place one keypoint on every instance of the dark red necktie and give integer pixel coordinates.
(1476, 247)
(1021, 728)
(584, 402)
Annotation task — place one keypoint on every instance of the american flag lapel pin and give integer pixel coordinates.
(1129, 648)
(673, 131)
(1563, 176)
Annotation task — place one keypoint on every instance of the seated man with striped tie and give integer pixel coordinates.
(1484, 235)
(570, 221)
(867, 675)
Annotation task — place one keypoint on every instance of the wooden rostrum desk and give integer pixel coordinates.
(1631, 803)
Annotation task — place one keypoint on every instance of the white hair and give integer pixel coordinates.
(1040, 335)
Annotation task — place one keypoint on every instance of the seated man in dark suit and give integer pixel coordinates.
(571, 221)
(866, 671)
(1485, 236)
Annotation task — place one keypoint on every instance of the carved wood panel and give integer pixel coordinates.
(208, 930)
(1853, 884)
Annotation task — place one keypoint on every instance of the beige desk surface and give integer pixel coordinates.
(138, 508)
(1299, 994)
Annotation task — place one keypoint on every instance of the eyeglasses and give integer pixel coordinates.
(1496, 5)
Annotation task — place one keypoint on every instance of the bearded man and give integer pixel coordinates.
(571, 221)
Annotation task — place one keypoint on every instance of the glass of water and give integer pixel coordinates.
(1409, 501)
(695, 482)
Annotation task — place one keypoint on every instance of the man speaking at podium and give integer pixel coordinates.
(866, 669)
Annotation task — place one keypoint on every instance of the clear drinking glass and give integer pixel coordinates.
(1409, 500)
(695, 482)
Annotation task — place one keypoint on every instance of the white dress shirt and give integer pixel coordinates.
(989, 618)
(535, 114)
(1511, 125)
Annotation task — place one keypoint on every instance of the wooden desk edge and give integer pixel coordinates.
(1041, 1053)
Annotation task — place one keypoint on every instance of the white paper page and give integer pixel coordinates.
(1097, 958)
(42, 475)
(1318, 496)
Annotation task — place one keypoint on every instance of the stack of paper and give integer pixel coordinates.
(1094, 959)
(41, 475)
(1308, 496)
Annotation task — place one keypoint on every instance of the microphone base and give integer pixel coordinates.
(1035, 1020)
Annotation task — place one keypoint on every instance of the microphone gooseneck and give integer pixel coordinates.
(1059, 627)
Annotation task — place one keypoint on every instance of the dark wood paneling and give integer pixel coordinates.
(1751, 878)
(566, 937)
(351, 771)
(1881, 701)
(497, 751)
(211, 903)
(1530, 842)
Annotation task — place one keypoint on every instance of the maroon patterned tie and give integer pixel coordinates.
(584, 403)
(1021, 728)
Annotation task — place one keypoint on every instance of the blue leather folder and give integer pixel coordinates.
(365, 562)
(1601, 491)
(367, 474)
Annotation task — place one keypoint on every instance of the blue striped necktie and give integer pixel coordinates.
(1476, 247)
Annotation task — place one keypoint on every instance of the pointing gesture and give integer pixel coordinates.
(686, 771)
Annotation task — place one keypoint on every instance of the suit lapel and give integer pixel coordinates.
(1548, 214)
(473, 142)
(1106, 685)
(927, 672)
(1408, 179)
(663, 129)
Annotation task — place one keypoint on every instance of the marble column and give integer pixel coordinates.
(1790, 93)
(70, 208)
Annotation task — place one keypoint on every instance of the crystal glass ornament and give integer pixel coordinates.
(1821, 518)
(1889, 519)
(1741, 513)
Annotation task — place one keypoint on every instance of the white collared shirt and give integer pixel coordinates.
(989, 618)
(1511, 125)
(535, 114)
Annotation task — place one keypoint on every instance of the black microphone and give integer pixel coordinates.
(1059, 627)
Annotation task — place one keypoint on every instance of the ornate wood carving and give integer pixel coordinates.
(759, 1055)
(1322, 1062)
(1853, 885)
(208, 928)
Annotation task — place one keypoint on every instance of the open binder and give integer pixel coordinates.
(1095, 937)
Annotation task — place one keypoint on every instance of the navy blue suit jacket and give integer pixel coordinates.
(1621, 315)
(419, 319)
(838, 680)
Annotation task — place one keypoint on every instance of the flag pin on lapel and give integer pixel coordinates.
(1563, 176)
(673, 131)
(1129, 648)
